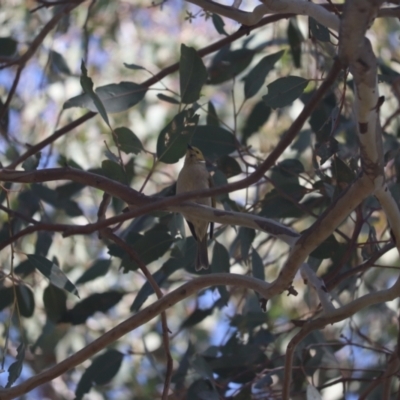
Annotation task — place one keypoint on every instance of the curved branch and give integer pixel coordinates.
(296, 7)
(134, 322)
(151, 81)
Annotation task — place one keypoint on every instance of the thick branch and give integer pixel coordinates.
(296, 7)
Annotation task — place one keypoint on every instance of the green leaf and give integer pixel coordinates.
(168, 99)
(8, 47)
(15, 369)
(55, 303)
(69, 189)
(321, 118)
(388, 74)
(229, 166)
(246, 237)
(276, 205)
(192, 74)
(98, 268)
(302, 142)
(242, 243)
(87, 86)
(196, 317)
(287, 172)
(6, 297)
(52, 272)
(256, 77)
(284, 91)
(133, 66)
(24, 268)
(219, 24)
(326, 249)
(96, 302)
(25, 300)
(32, 162)
(202, 389)
(187, 254)
(227, 64)
(219, 179)
(160, 276)
(318, 31)
(128, 141)
(295, 38)
(220, 259)
(58, 63)
(201, 366)
(213, 141)
(258, 117)
(212, 117)
(257, 265)
(114, 171)
(180, 373)
(43, 243)
(173, 139)
(51, 197)
(116, 97)
(102, 370)
(249, 321)
(149, 247)
(342, 172)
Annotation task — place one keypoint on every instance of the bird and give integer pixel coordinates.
(194, 176)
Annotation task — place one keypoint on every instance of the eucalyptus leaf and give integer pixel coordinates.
(168, 99)
(229, 166)
(213, 141)
(15, 369)
(101, 371)
(160, 276)
(173, 139)
(220, 259)
(295, 38)
(228, 64)
(258, 117)
(212, 117)
(256, 77)
(116, 97)
(87, 86)
(58, 63)
(257, 265)
(96, 302)
(52, 272)
(55, 302)
(128, 141)
(8, 47)
(133, 66)
(319, 31)
(192, 74)
(284, 91)
(114, 171)
(97, 269)
(219, 24)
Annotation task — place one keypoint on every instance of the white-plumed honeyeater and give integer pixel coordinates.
(194, 176)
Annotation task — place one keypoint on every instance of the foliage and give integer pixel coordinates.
(88, 126)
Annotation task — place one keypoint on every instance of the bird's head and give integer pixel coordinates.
(193, 155)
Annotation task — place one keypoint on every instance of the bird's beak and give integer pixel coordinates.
(189, 147)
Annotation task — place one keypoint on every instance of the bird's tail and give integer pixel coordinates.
(202, 254)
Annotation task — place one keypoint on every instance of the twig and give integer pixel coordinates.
(117, 240)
